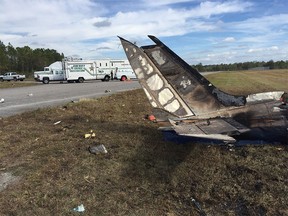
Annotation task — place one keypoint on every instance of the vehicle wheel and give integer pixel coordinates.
(45, 80)
(2, 80)
(106, 78)
(80, 79)
(15, 79)
(123, 78)
(21, 80)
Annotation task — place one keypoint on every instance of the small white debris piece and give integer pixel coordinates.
(58, 122)
(79, 208)
(30, 94)
(98, 149)
(2, 100)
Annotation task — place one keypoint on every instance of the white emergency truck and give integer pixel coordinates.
(81, 70)
(123, 70)
(49, 70)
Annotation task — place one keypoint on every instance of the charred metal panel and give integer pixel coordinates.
(157, 89)
(264, 96)
(197, 97)
(267, 120)
(216, 129)
(227, 99)
(213, 126)
(197, 91)
(216, 126)
(188, 129)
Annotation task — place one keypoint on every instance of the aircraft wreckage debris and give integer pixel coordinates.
(198, 206)
(79, 208)
(151, 118)
(90, 135)
(97, 149)
(198, 109)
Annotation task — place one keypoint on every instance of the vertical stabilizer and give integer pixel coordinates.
(173, 85)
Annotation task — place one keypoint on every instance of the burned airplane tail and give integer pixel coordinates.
(172, 85)
(194, 106)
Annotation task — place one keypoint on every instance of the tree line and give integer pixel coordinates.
(254, 65)
(25, 60)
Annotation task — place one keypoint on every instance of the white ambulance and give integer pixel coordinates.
(81, 70)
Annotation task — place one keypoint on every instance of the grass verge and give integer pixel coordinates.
(16, 84)
(142, 174)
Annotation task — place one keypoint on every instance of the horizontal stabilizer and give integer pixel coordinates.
(218, 129)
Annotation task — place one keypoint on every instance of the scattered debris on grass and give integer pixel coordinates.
(58, 122)
(79, 208)
(98, 149)
(90, 135)
(151, 118)
(198, 206)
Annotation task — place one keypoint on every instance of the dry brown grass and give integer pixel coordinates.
(16, 84)
(142, 174)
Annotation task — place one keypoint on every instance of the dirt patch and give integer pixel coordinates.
(7, 179)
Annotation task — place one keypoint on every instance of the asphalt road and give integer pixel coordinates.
(19, 100)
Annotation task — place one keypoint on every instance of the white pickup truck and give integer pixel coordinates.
(54, 75)
(12, 76)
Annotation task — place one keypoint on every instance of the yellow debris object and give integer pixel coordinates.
(90, 135)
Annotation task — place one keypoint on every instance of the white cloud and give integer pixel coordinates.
(273, 48)
(154, 3)
(240, 55)
(262, 24)
(209, 8)
(262, 49)
(229, 39)
(88, 28)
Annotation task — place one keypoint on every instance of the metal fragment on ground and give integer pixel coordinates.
(98, 149)
(79, 208)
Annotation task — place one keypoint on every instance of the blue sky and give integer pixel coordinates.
(207, 32)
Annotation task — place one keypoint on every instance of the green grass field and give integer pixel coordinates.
(246, 82)
(142, 174)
